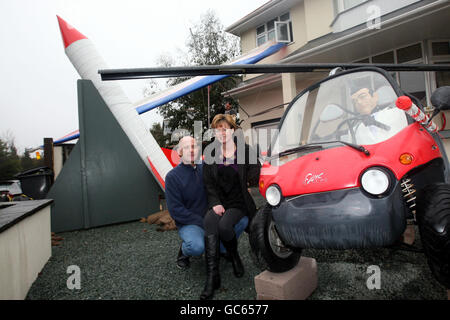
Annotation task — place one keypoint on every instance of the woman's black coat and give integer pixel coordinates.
(248, 177)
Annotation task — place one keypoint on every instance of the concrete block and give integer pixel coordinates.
(265, 297)
(295, 284)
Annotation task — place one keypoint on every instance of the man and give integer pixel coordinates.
(187, 202)
(230, 111)
(382, 121)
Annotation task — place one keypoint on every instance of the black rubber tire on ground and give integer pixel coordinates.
(433, 217)
(262, 252)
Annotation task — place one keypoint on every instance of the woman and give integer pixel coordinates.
(230, 167)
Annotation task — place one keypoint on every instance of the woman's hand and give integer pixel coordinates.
(219, 209)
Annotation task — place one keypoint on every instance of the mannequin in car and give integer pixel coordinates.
(381, 119)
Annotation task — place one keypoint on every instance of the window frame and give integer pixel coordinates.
(261, 35)
(266, 32)
(423, 59)
(277, 39)
(260, 124)
(438, 57)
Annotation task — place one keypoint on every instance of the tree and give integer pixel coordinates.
(207, 45)
(158, 133)
(26, 161)
(9, 160)
(11, 163)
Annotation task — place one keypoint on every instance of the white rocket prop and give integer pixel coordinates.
(86, 60)
(405, 103)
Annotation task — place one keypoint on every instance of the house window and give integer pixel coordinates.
(271, 30)
(440, 51)
(278, 29)
(282, 32)
(441, 48)
(442, 77)
(387, 57)
(366, 60)
(411, 82)
(410, 53)
(261, 35)
(263, 133)
(414, 83)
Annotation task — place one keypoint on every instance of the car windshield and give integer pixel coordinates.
(357, 107)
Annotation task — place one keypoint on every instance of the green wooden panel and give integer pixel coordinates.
(104, 181)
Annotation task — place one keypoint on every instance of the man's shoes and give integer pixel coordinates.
(182, 261)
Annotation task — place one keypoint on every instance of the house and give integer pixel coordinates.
(334, 31)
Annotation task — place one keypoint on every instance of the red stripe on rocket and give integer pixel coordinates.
(405, 103)
(86, 60)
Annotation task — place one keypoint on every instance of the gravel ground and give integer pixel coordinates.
(134, 261)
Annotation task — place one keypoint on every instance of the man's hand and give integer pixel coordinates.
(219, 209)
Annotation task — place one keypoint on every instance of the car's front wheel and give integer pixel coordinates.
(433, 215)
(268, 249)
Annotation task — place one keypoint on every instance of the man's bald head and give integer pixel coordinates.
(187, 149)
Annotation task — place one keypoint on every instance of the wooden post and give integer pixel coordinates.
(48, 154)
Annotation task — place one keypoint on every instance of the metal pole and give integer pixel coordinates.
(209, 87)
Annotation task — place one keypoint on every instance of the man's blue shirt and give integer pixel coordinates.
(186, 195)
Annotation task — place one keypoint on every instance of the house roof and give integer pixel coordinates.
(264, 13)
(329, 40)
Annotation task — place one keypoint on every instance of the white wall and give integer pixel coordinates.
(24, 250)
(318, 16)
(359, 14)
(57, 160)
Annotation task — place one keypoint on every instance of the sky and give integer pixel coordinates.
(38, 90)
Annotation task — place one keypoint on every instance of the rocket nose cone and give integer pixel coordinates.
(69, 34)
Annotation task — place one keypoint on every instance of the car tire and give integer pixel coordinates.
(267, 256)
(433, 216)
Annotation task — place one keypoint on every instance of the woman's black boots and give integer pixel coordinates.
(231, 247)
(212, 266)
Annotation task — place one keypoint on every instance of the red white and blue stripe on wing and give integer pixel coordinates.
(198, 82)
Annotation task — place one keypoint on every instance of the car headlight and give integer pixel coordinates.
(375, 181)
(273, 195)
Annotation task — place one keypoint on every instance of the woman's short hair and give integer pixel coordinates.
(224, 117)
